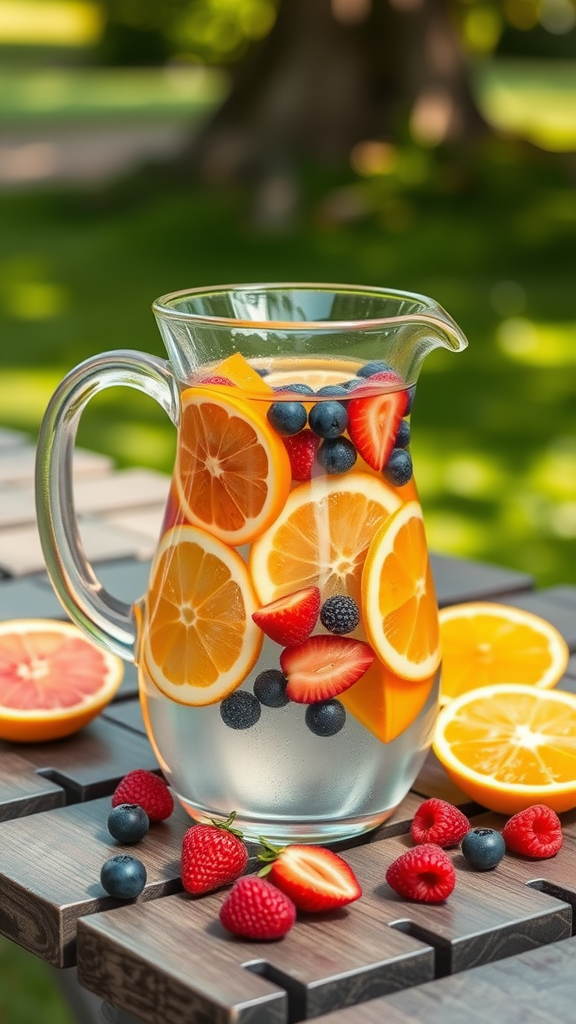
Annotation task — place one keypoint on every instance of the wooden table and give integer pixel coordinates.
(499, 950)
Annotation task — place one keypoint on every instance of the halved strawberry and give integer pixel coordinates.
(323, 666)
(314, 878)
(373, 425)
(290, 620)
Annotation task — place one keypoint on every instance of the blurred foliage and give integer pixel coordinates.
(28, 994)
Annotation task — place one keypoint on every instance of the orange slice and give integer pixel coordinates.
(200, 641)
(232, 471)
(511, 745)
(484, 643)
(53, 680)
(321, 537)
(237, 369)
(384, 703)
(398, 597)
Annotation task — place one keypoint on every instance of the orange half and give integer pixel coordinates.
(511, 745)
(485, 643)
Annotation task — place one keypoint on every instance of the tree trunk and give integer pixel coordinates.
(335, 72)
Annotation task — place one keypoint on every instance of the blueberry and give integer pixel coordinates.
(403, 435)
(398, 469)
(332, 389)
(325, 718)
(483, 848)
(241, 710)
(354, 382)
(128, 823)
(339, 614)
(376, 366)
(410, 402)
(262, 371)
(337, 455)
(287, 418)
(328, 419)
(123, 876)
(298, 389)
(270, 688)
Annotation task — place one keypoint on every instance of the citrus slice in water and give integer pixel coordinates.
(485, 643)
(510, 745)
(53, 680)
(384, 703)
(398, 597)
(232, 471)
(200, 639)
(321, 537)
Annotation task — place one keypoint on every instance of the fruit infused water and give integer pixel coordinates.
(288, 645)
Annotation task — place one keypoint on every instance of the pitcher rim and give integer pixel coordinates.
(164, 311)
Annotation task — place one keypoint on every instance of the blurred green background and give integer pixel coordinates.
(118, 182)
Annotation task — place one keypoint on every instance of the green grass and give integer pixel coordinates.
(28, 993)
(491, 238)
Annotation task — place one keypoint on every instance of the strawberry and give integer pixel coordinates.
(302, 448)
(314, 878)
(373, 425)
(437, 821)
(290, 620)
(215, 379)
(424, 873)
(323, 666)
(212, 855)
(256, 909)
(147, 790)
(534, 832)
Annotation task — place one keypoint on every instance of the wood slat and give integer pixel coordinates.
(21, 552)
(535, 987)
(82, 767)
(17, 464)
(460, 579)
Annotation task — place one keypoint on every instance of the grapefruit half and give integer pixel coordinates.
(53, 680)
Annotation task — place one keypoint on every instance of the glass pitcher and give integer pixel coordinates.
(287, 645)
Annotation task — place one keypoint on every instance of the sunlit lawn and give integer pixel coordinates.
(493, 241)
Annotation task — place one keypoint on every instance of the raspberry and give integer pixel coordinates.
(437, 821)
(256, 909)
(424, 873)
(302, 448)
(148, 791)
(534, 832)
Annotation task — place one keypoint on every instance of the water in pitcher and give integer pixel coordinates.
(288, 644)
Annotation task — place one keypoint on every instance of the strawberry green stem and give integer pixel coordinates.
(227, 825)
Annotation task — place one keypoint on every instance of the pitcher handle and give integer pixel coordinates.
(107, 620)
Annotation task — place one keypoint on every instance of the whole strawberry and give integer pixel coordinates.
(534, 832)
(424, 873)
(147, 790)
(255, 909)
(437, 821)
(212, 856)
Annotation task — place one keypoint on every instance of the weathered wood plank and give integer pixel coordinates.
(460, 579)
(535, 987)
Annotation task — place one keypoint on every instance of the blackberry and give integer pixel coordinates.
(128, 823)
(325, 718)
(270, 688)
(339, 614)
(241, 710)
(336, 455)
